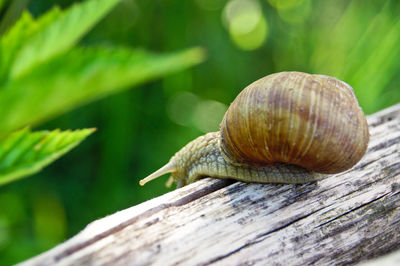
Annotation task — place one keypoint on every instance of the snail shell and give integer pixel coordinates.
(287, 127)
(312, 121)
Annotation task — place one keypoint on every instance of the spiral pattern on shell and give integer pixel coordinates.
(312, 121)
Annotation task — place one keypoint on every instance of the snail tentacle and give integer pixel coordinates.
(168, 168)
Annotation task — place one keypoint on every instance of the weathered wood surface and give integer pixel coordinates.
(386, 260)
(343, 219)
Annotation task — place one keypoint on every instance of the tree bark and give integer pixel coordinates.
(343, 219)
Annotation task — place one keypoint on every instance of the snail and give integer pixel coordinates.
(287, 127)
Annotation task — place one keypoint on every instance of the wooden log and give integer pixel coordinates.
(343, 219)
(386, 260)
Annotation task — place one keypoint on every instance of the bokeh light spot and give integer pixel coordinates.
(187, 109)
(253, 39)
(242, 16)
(181, 107)
(208, 115)
(246, 24)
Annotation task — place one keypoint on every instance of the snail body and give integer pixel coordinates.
(288, 127)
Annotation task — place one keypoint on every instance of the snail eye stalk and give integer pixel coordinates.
(168, 168)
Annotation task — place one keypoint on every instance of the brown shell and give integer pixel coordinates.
(312, 121)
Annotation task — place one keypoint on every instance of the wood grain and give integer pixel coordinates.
(344, 219)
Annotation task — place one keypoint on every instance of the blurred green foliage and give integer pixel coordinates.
(138, 130)
(43, 73)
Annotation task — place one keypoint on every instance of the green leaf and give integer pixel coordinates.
(81, 76)
(11, 14)
(20, 34)
(24, 152)
(61, 34)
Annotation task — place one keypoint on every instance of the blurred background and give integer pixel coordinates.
(140, 129)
